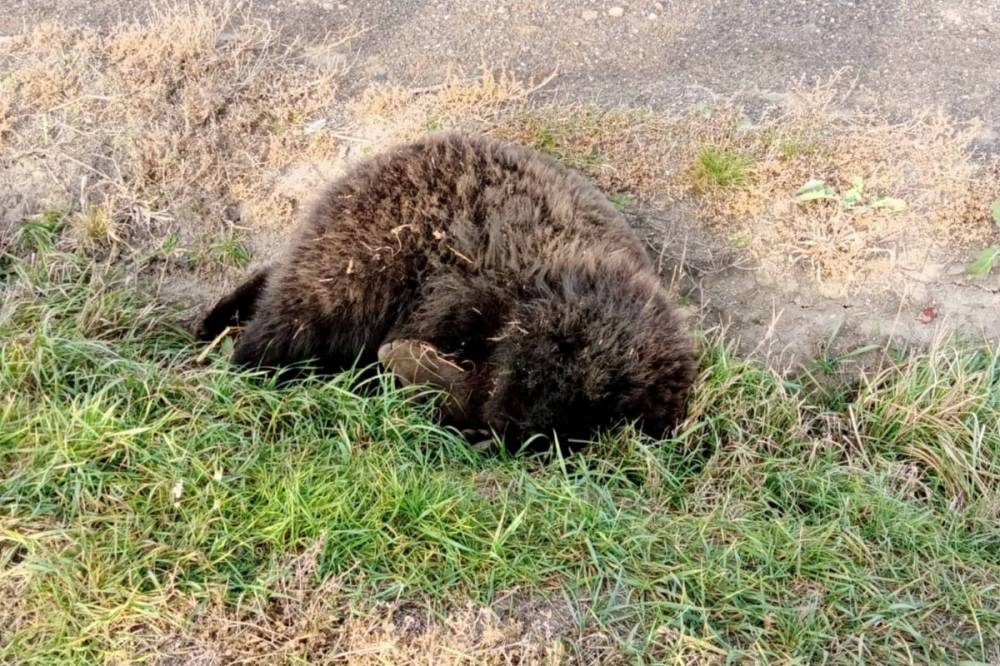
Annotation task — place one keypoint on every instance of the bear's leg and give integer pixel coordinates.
(299, 320)
(286, 344)
(236, 308)
(274, 343)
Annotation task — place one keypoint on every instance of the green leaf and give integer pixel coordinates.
(996, 212)
(740, 240)
(621, 201)
(815, 189)
(853, 196)
(891, 204)
(984, 263)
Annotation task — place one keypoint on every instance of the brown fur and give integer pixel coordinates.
(505, 261)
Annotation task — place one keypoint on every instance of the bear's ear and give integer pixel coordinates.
(419, 362)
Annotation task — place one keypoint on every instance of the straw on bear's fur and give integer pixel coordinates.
(496, 257)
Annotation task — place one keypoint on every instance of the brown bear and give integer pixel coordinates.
(483, 268)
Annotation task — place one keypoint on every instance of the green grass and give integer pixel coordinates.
(227, 249)
(564, 140)
(622, 201)
(777, 527)
(719, 168)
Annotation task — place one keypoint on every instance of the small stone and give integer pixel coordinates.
(589, 15)
(652, 17)
(616, 12)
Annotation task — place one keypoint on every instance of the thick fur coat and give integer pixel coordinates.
(486, 268)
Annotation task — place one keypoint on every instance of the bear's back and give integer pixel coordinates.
(464, 200)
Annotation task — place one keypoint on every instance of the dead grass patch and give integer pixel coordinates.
(163, 127)
(384, 115)
(300, 618)
(320, 624)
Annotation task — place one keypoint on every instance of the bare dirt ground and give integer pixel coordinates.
(895, 60)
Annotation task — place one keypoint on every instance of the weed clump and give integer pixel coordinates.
(719, 168)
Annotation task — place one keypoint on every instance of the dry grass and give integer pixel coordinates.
(185, 125)
(318, 623)
(399, 114)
